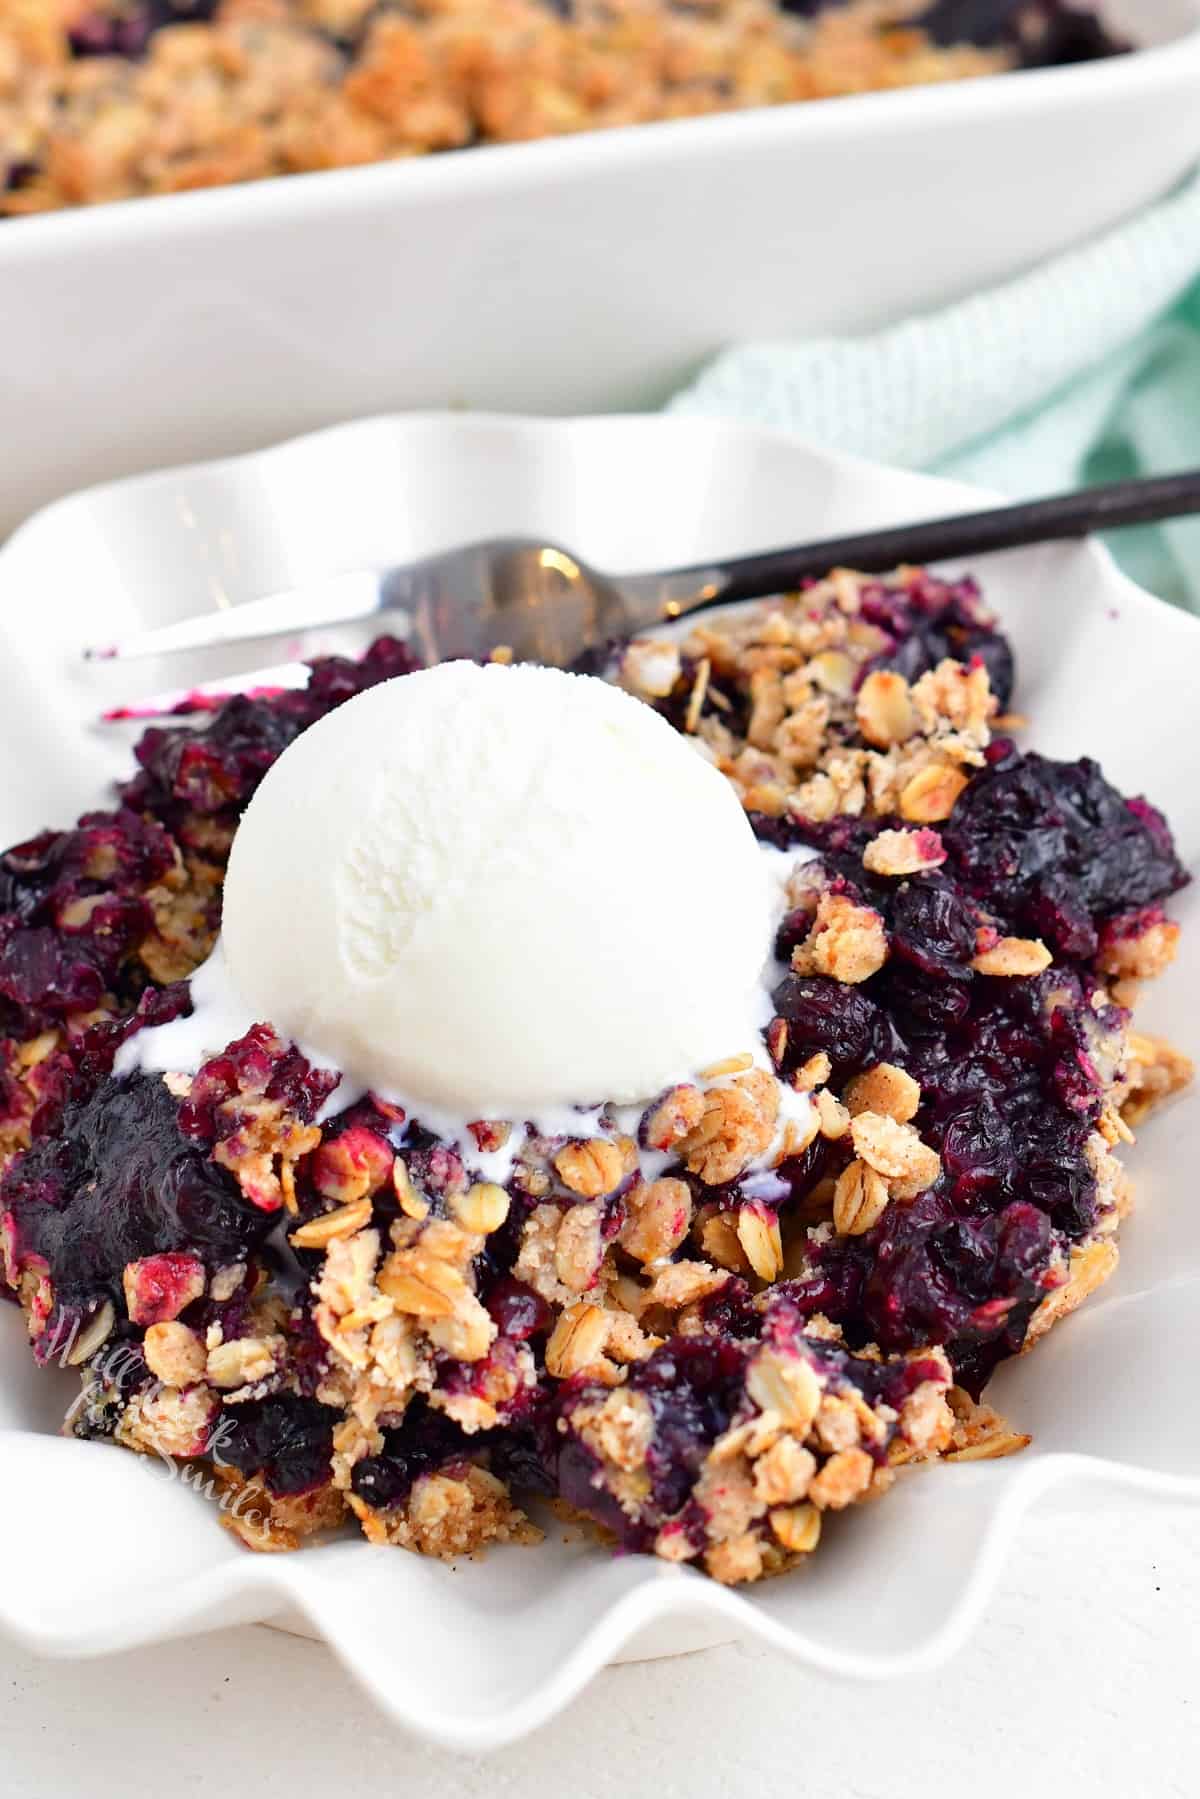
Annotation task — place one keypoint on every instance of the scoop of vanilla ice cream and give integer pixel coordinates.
(499, 889)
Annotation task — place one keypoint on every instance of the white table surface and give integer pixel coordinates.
(1083, 1680)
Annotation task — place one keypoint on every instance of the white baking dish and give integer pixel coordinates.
(581, 273)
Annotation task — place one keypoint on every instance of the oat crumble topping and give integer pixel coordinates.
(104, 99)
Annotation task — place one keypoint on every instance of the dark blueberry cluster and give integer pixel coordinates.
(1056, 852)
(695, 1387)
(286, 1440)
(924, 619)
(117, 1182)
(257, 1065)
(1043, 33)
(214, 769)
(72, 908)
(929, 619)
(126, 30)
(1012, 1073)
(427, 1440)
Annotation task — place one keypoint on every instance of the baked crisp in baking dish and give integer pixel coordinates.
(703, 1328)
(103, 99)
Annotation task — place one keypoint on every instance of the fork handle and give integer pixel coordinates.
(1138, 502)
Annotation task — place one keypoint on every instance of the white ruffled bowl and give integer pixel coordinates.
(103, 1550)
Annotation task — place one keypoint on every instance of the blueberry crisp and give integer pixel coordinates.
(702, 1326)
(104, 99)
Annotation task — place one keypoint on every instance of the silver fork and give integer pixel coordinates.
(546, 604)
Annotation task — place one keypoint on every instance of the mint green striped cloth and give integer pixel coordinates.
(1085, 369)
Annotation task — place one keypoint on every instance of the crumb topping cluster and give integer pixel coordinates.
(103, 99)
(702, 1327)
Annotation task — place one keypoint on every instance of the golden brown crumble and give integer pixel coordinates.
(991, 1449)
(680, 1283)
(737, 1124)
(800, 658)
(244, 1361)
(174, 1354)
(931, 794)
(860, 1198)
(735, 1561)
(884, 710)
(264, 1145)
(536, 1263)
(901, 853)
(482, 1208)
(785, 1387)
(579, 1247)
(716, 1237)
(978, 1432)
(844, 1478)
(620, 1429)
(263, 89)
(658, 1218)
(674, 1117)
(886, 1089)
(784, 1472)
(727, 1494)
(840, 1420)
(813, 1073)
(271, 1523)
(1156, 1070)
(448, 1515)
(429, 1280)
(798, 1527)
(799, 1444)
(847, 941)
(174, 1421)
(1013, 956)
(896, 1152)
(343, 1221)
(832, 1116)
(758, 1234)
(577, 1343)
(1091, 1265)
(591, 1167)
(184, 907)
(1144, 957)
